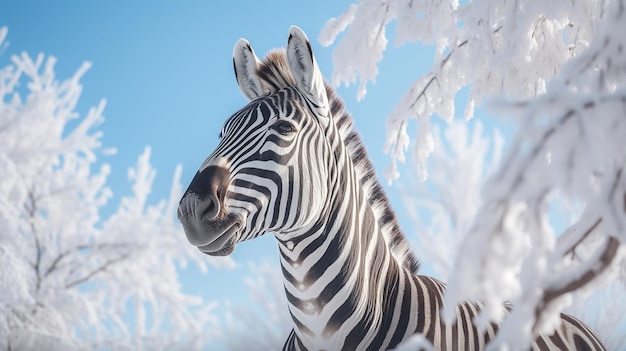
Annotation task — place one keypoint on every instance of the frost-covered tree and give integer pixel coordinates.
(71, 279)
(557, 69)
(444, 207)
(266, 326)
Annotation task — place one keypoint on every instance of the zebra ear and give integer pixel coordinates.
(246, 63)
(304, 68)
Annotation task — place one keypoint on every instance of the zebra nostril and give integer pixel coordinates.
(209, 207)
(207, 189)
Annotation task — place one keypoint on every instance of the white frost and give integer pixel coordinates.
(557, 70)
(69, 276)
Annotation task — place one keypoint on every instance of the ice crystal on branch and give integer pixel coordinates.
(495, 48)
(557, 70)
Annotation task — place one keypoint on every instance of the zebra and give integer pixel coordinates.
(291, 163)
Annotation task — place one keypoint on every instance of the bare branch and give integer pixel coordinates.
(102, 268)
(92, 248)
(583, 237)
(31, 209)
(609, 252)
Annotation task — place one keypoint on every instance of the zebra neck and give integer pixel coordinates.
(338, 273)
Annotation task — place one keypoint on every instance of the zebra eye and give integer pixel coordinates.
(284, 127)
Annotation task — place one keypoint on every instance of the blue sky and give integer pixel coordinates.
(165, 69)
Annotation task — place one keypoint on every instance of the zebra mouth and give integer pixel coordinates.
(215, 237)
(224, 243)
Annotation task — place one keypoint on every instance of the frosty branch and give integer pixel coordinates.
(66, 273)
(608, 254)
(101, 268)
(558, 70)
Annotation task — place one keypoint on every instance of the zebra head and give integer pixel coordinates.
(269, 172)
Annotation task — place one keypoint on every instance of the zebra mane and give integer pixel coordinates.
(274, 73)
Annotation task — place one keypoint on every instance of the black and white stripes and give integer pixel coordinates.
(290, 163)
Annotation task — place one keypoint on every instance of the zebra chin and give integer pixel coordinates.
(214, 239)
(224, 251)
(223, 245)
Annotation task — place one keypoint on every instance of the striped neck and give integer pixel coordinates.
(274, 73)
(339, 273)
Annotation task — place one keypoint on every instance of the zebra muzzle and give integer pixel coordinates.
(203, 215)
